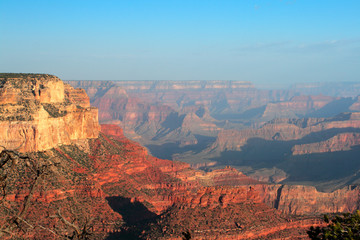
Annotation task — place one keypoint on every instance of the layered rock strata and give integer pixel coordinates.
(290, 129)
(67, 185)
(39, 112)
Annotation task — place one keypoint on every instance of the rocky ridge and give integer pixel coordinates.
(290, 129)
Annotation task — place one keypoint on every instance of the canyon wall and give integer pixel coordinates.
(336, 89)
(181, 85)
(39, 112)
(306, 200)
(340, 142)
(273, 135)
(295, 129)
(83, 181)
(219, 188)
(223, 203)
(95, 186)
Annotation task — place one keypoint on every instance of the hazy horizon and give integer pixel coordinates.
(269, 43)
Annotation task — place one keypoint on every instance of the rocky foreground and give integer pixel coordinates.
(61, 178)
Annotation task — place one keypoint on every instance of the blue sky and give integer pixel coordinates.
(268, 42)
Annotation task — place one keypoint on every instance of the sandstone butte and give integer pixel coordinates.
(72, 176)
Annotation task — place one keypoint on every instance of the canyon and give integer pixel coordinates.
(270, 135)
(65, 175)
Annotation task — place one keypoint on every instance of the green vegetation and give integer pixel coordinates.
(77, 155)
(21, 112)
(21, 75)
(346, 226)
(19, 80)
(54, 111)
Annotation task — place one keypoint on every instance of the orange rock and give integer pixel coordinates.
(40, 112)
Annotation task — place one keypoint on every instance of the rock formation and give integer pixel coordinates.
(190, 114)
(297, 106)
(72, 179)
(234, 123)
(340, 142)
(39, 112)
(290, 129)
(336, 89)
(306, 200)
(222, 203)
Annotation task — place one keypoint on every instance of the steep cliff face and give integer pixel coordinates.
(94, 89)
(39, 112)
(340, 142)
(220, 204)
(291, 129)
(218, 200)
(306, 200)
(322, 152)
(297, 106)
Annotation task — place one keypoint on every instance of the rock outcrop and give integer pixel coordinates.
(223, 203)
(39, 112)
(297, 106)
(340, 142)
(290, 129)
(306, 200)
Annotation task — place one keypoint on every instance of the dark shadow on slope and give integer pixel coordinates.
(200, 112)
(173, 121)
(166, 151)
(102, 91)
(248, 114)
(219, 104)
(253, 113)
(132, 212)
(333, 108)
(257, 153)
(324, 135)
(317, 167)
(135, 215)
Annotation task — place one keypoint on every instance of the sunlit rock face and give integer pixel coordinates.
(39, 112)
